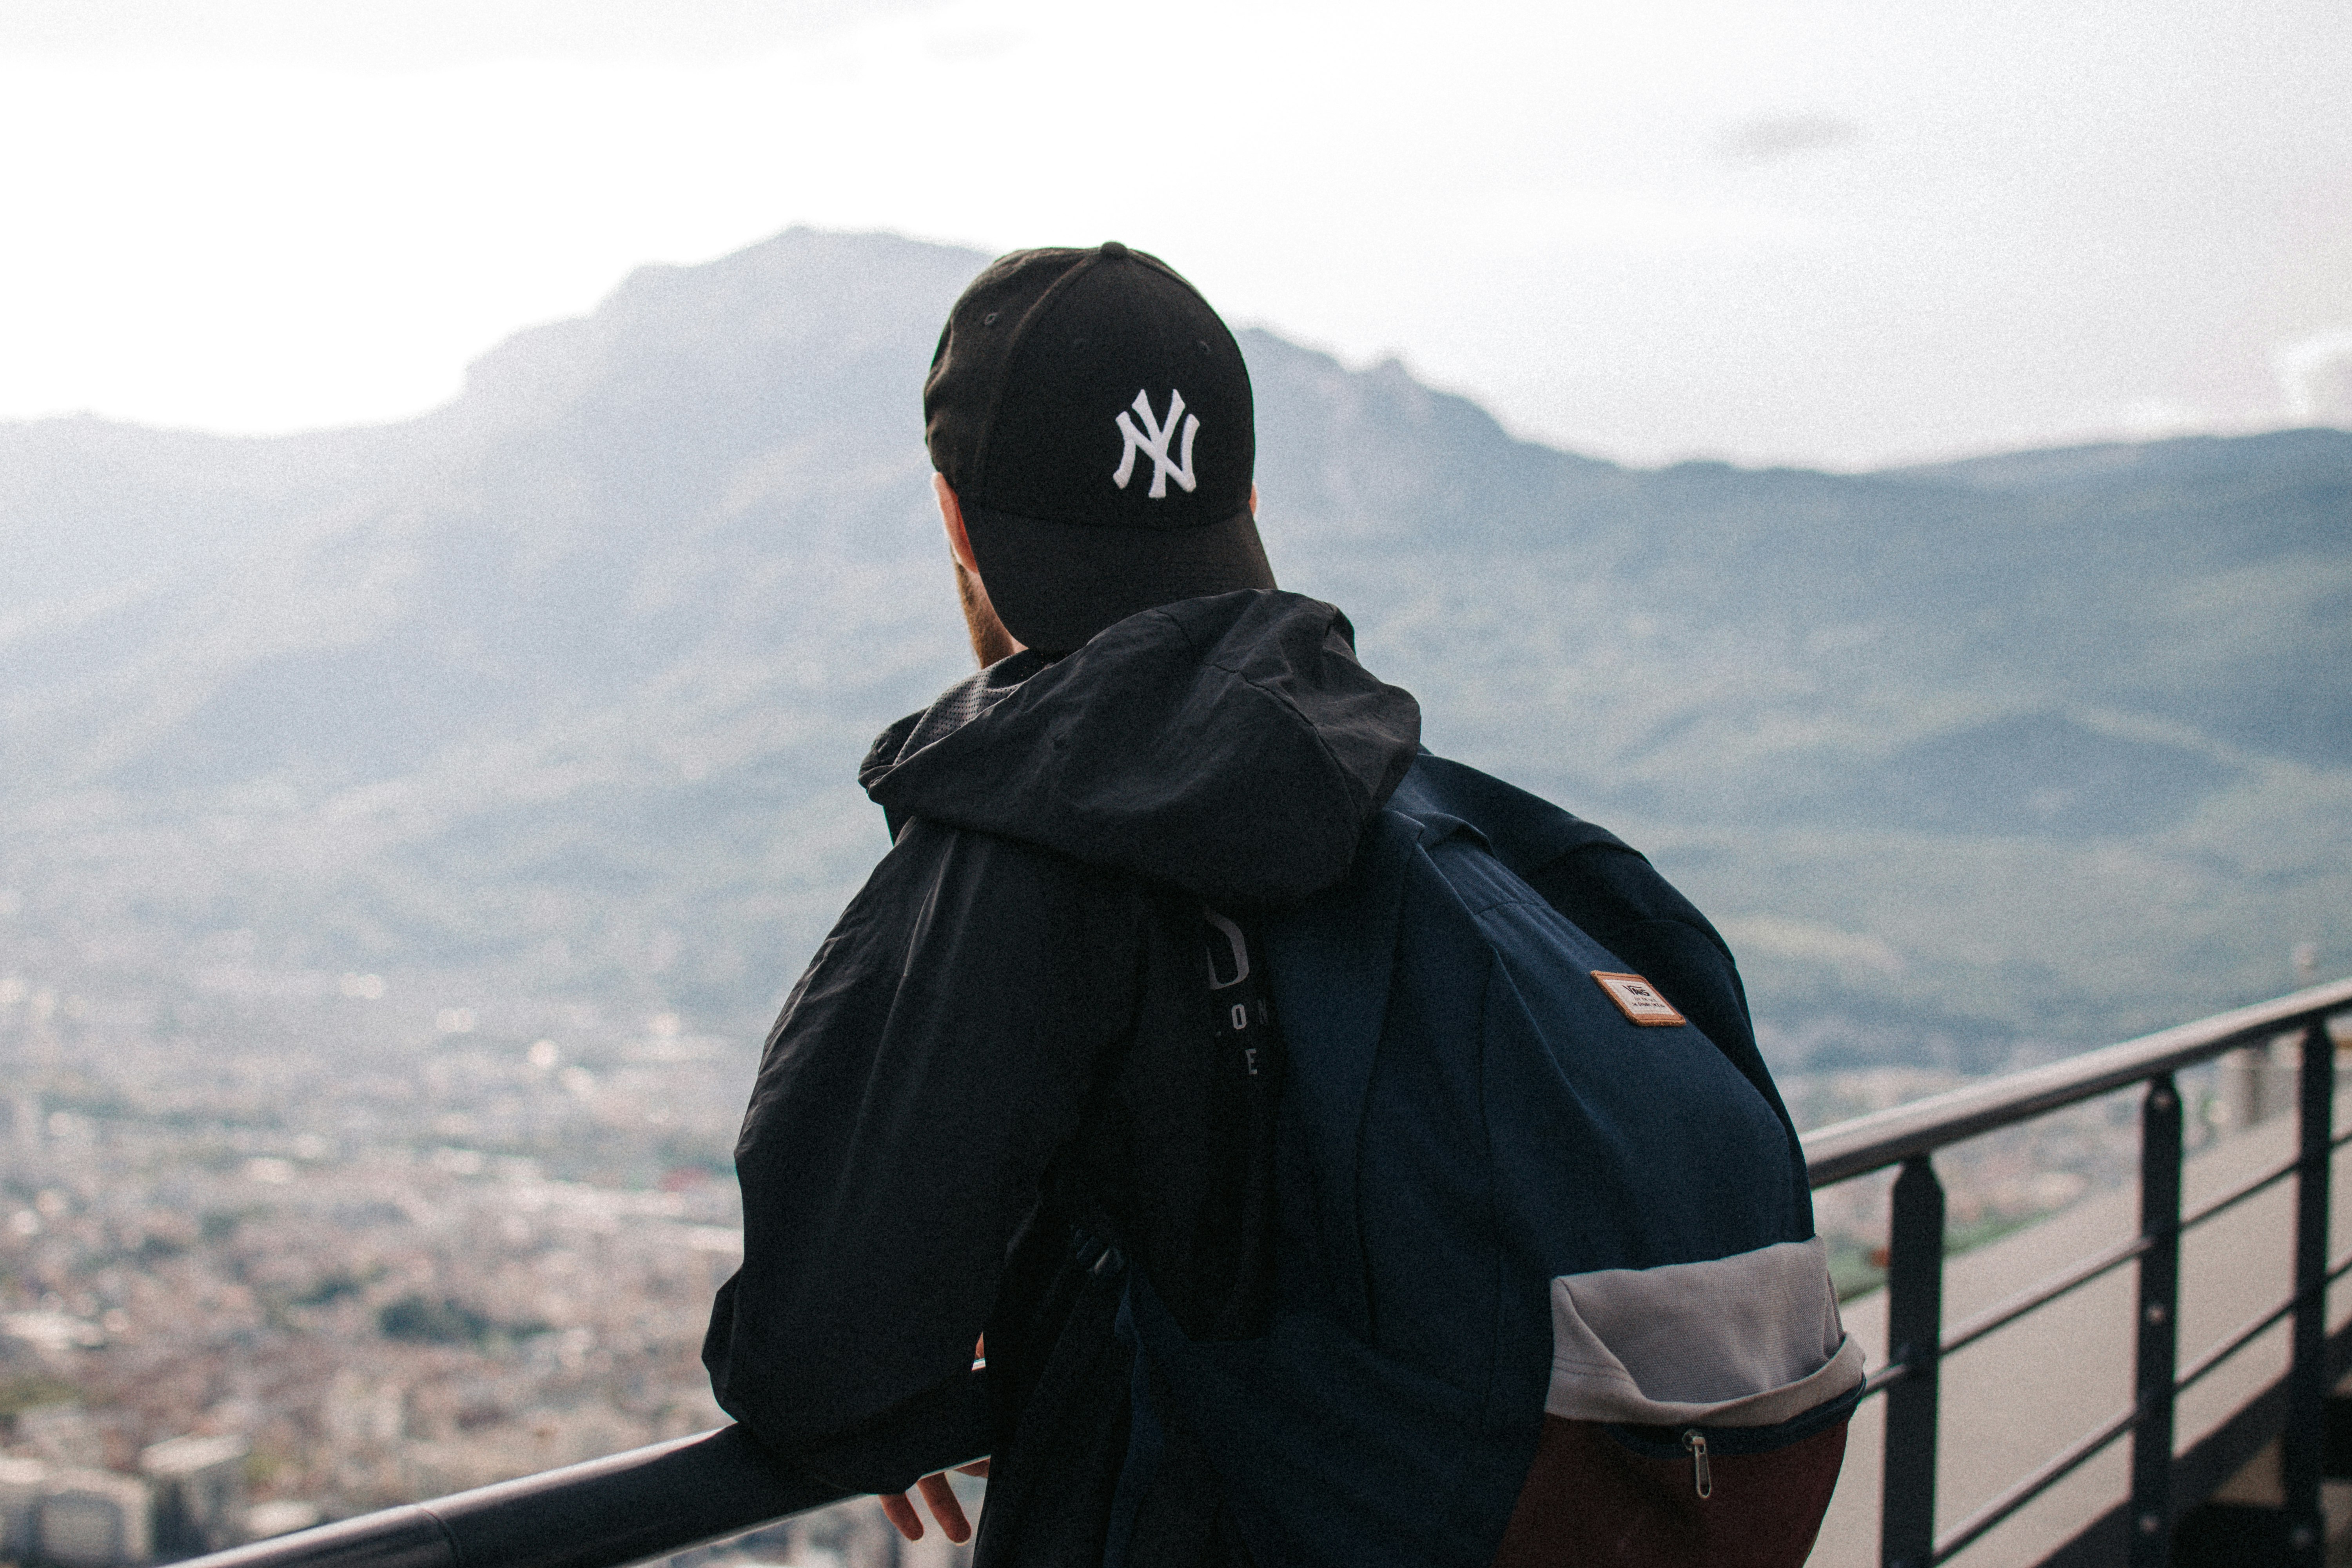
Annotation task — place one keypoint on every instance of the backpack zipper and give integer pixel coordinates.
(1701, 1481)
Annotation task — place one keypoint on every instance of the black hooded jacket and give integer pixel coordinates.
(967, 1097)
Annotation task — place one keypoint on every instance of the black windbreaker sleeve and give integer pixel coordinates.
(924, 1073)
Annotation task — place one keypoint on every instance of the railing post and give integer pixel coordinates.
(2159, 1328)
(2307, 1375)
(1914, 1331)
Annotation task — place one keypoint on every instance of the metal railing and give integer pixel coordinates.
(629, 1508)
(675, 1496)
(1909, 1136)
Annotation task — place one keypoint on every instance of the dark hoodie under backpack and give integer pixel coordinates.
(1528, 1272)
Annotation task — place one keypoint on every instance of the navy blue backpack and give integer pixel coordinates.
(1545, 1286)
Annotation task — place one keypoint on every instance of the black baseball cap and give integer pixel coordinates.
(1093, 415)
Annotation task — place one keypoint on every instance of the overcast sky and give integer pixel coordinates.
(1839, 234)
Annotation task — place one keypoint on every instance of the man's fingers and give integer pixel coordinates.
(946, 1508)
(902, 1515)
(908, 1519)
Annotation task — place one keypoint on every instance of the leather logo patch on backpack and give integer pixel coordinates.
(1637, 998)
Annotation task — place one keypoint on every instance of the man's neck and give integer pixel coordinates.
(989, 640)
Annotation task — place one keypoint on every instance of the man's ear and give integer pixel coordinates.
(951, 514)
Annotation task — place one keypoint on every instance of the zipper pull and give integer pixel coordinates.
(1702, 1480)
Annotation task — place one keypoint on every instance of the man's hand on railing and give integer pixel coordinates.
(901, 1509)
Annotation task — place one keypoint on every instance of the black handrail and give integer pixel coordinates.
(1889, 1137)
(668, 1497)
(626, 1508)
(1910, 1135)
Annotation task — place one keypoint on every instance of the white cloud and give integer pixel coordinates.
(2317, 376)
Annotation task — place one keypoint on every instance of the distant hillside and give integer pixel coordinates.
(560, 689)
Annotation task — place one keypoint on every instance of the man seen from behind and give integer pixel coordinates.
(1338, 1156)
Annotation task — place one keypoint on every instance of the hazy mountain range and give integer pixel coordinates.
(559, 690)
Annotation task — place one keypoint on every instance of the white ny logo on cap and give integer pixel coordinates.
(1152, 440)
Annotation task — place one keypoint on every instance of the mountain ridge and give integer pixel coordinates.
(558, 688)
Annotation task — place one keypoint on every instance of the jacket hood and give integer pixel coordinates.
(1229, 745)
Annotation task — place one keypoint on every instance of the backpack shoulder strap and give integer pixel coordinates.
(1330, 962)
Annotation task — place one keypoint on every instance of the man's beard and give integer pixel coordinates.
(989, 640)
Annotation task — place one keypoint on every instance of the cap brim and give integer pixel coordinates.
(1055, 584)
